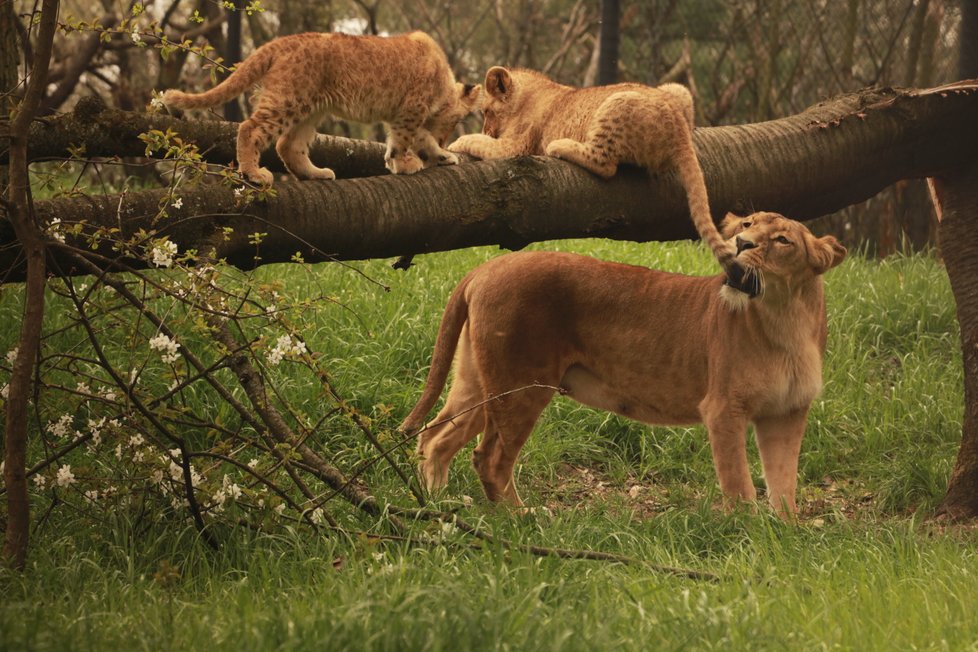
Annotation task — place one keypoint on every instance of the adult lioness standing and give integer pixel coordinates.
(657, 347)
(598, 128)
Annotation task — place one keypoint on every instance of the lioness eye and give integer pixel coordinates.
(783, 240)
(745, 225)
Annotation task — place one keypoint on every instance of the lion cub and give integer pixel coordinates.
(653, 346)
(403, 81)
(598, 128)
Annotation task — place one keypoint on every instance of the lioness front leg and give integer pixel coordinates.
(485, 147)
(779, 443)
(728, 443)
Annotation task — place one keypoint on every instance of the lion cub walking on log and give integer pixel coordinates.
(404, 81)
(598, 128)
(653, 346)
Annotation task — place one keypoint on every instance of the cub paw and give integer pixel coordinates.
(261, 176)
(405, 164)
(447, 158)
(465, 144)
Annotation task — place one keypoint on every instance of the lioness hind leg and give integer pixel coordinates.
(779, 443)
(293, 149)
(459, 421)
(509, 423)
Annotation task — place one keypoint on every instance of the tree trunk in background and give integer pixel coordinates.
(20, 217)
(958, 233)
(968, 40)
(608, 40)
(9, 59)
(232, 56)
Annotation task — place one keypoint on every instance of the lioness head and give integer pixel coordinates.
(779, 253)
(442, 123)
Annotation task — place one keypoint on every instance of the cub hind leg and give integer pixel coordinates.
(265, 125)
(601, 150)
(293, 149)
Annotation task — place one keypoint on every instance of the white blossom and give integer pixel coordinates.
(163, 252)
(280, 508)
(12, 355)
(54, 230)
(166, 346)
(65, 477)
(40, 481)
(253, 463)
(156, 103)
(238, 191)
(136, 38)
(91, 495)
(61, 427)
(284, 346)
(177, 204)
(5, 391)
(316, 516)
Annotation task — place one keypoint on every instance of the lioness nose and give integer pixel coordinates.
(744, 244)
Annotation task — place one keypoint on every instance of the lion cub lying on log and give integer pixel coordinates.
(598, 128)
(653, 346)
(403, 81)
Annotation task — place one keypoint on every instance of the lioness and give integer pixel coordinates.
(657, 347)
(402, 80)
(597, 128)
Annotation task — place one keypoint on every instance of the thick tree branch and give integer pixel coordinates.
(830, 156)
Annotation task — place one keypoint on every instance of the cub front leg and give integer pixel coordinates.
(430, 152)
(485, 147)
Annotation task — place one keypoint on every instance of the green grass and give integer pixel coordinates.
(862, 571)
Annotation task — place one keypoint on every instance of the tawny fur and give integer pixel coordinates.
(596, 128)
(403, 81)
(653, 346)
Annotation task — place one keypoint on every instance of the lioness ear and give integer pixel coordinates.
(499, 84)
(728, 224)
(828, 252)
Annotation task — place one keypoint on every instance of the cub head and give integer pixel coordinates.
(507, 95)
(441, 123)
(779, 253)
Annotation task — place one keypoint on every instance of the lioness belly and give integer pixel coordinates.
(652, 405)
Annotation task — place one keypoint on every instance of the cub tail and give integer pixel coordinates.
(456, 313)
(691, 175)
(248, 73)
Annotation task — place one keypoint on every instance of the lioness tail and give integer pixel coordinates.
(456, 312)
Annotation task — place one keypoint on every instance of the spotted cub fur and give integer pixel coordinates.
(404, 81)
(598, 128)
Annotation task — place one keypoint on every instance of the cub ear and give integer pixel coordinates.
(729, 224)
(499, 83)
(828, 252)
(468, 94)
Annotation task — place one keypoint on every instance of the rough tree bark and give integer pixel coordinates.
(958, 233)
(17, 208)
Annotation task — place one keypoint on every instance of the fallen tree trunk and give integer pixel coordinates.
(832, 155)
